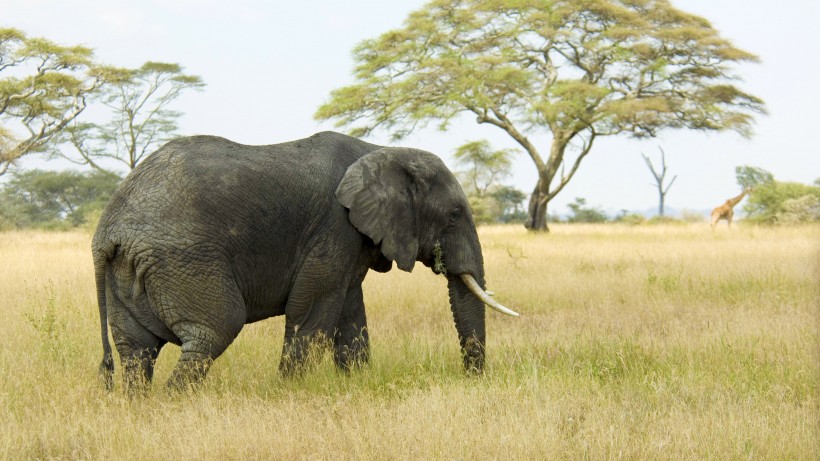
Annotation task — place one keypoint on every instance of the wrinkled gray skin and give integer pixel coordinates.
(207, 235)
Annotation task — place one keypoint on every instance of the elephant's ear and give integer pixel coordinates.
(383, 190)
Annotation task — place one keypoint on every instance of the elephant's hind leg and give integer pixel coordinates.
(191, 368)
(201, 345)
(206, 313)
(138, 366)
(138, 348)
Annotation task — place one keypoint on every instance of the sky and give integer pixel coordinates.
(268, 65)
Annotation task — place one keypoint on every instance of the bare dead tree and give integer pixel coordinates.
(660, 178)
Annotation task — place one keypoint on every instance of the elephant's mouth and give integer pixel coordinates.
(436, 262)
(482, 295)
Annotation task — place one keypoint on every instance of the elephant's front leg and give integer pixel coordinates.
(310, 321)
(351, 344)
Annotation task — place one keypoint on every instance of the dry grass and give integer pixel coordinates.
(635, 342)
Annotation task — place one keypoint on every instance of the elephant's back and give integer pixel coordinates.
(211, 185)
(211, 165)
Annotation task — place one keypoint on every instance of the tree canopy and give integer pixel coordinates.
(749, 177)
(576, 69)
(43, 87)
(37, 198)
(484, 167)
(481, 170)
(140, 118)
(775, 202)
(581, 213)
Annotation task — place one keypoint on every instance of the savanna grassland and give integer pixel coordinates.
(649, 342)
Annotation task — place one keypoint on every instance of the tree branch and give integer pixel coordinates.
(587, 146)
(505, 124)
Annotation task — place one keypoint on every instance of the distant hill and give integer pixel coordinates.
(671, 212)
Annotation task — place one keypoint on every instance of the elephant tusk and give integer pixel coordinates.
(476, 289)
(489, 293)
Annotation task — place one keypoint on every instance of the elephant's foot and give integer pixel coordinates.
(351, 350)
(138, 370)
(301, 352)
(189, 371)
(348, 359)
(136, 385)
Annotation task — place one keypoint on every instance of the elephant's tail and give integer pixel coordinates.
(107, 365)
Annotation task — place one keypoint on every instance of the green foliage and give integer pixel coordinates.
(140, 118)
(691, 216)
(749, 177)
(91, 219)
(484, 167)
(43, 87)
(657, 219)
(54, 199)
(502, 204)
(438, 265)
(799, 210)
(576, 69)
(584, 214)
(43, 318)
(508, 201)
(481, 208)
(776, 202)
(625, 217)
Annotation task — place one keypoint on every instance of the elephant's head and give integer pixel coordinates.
(411, 205)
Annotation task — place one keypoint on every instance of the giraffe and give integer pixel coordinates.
(725, 211)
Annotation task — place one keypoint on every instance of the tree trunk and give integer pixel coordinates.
(537, 213)
(660, 205)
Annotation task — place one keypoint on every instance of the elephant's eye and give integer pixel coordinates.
(455, 215)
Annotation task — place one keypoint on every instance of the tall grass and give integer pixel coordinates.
(634, 342)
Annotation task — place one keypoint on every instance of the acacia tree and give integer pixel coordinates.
(483, 169)
(45, 198)
(43, 87)
(141, 118)
(750, 177)
(775, 202)
(660, 178)
(484, 166)
(574, 69)
(581, 213)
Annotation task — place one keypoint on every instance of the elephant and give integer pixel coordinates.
(207, 235)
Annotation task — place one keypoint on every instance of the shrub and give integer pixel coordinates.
(692, 216)
(778, 202)
(584, 214)
(799, 210)
(633, 219)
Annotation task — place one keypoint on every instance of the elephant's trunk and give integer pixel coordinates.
(468, 313)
